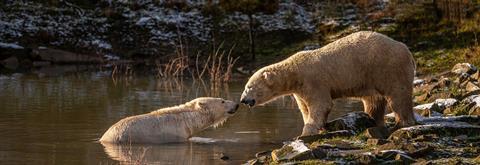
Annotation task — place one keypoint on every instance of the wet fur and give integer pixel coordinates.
(173, 124)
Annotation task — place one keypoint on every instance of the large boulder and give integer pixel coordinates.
(355, 121)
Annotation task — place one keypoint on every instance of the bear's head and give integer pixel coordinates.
(218, 109)
(262, 87)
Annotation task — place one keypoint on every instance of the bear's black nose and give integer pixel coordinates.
(249, 102)
(232, 111)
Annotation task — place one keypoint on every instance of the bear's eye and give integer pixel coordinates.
(223, 101)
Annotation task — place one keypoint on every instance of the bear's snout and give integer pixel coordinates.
(233, 110)
(249, 102)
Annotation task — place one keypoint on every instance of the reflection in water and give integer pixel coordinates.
(57, 120)
(181, 153)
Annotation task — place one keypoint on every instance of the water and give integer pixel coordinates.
(58, 120)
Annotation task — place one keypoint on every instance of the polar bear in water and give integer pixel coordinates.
(173, 124)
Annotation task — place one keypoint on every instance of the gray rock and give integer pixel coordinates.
(470, 119)
(292, 156)
(292, 151)
(437, 106)
(441, 129)
(355, 121)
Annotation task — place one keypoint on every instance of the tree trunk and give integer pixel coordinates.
(251, 36)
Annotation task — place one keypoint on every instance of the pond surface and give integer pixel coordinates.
(58, 120)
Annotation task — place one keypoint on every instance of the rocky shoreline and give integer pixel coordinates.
(448, 130)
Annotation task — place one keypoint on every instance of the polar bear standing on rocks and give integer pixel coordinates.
(365, 65)
(174, 124)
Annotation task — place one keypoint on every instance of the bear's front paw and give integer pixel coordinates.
(309, 130)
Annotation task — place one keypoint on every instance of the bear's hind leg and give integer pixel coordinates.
(375, 107)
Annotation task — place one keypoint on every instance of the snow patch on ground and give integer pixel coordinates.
(445, 119)
(418, 82)
(111, 57)
(10, 46)
(440, 102)
(440, 125)
(298, 146)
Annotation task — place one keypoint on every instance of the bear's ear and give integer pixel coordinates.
(268, 76)
(201, 105)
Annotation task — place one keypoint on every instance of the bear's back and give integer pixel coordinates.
(359, 46)
(146, 128)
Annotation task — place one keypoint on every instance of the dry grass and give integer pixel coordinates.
(122, 70)
(217, 68)
(218, 65)
(177, 66)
